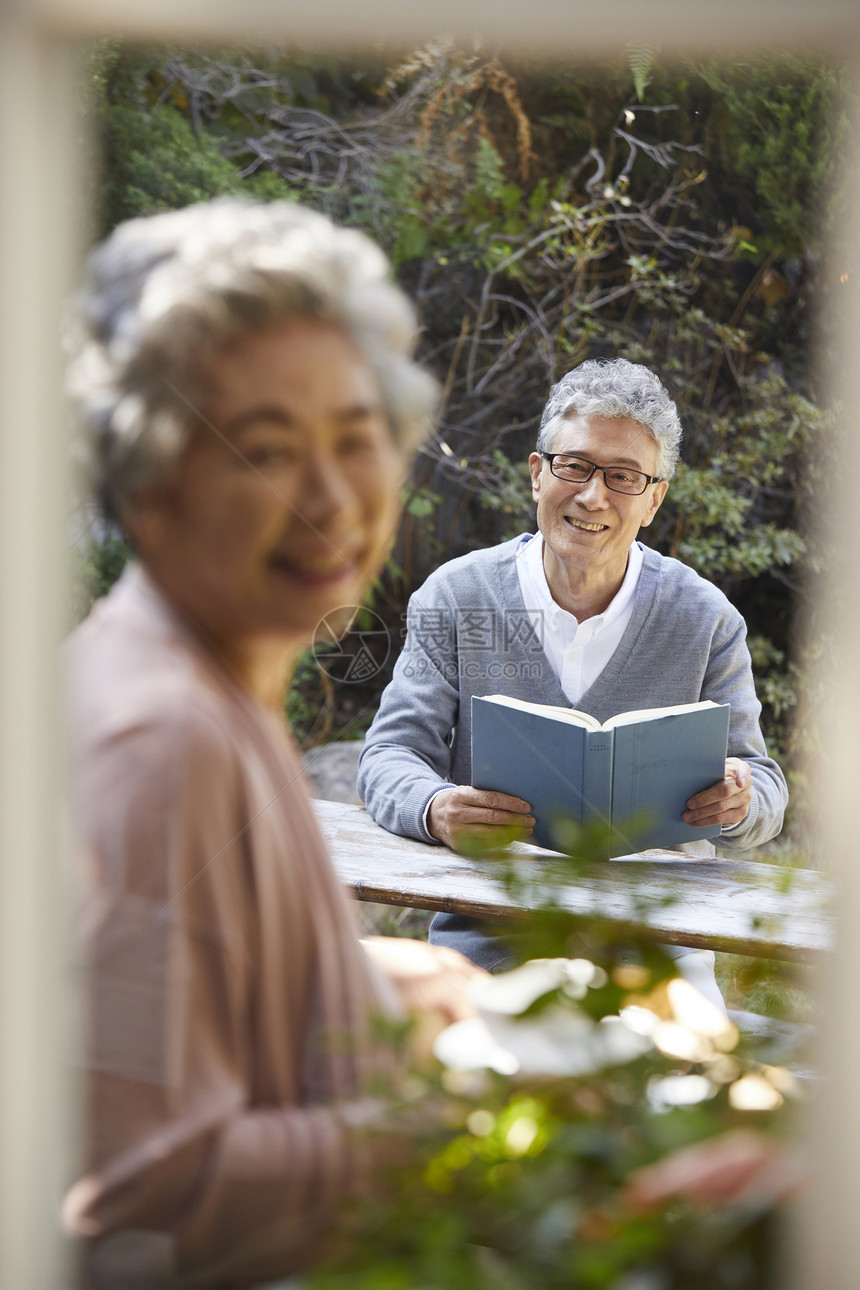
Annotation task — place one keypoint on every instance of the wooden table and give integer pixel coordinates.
(733, 905)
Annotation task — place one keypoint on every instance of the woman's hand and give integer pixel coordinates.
(431, 981)
(428, 978)
(734, 1168)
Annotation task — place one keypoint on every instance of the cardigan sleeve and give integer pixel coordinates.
(406, 757)
(182, 1143)
(729, 679)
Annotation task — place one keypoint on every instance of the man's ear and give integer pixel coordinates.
(536, 470)
(660, 491)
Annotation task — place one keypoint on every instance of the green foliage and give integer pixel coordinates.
(778, 127)
(96, 565)
(539, 217)
(400, 184)
(305, 699)
(537, 220)
(422, 502)
(421, 224)
(316, 712)
(153, 157)
(521, 1180)
(510, 493)
(642, 59)
(160, 164)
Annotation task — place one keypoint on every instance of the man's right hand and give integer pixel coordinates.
(478, 815)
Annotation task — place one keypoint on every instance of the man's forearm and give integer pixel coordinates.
(767, 808)
(730, 680)
(407, 753)
(396, 787)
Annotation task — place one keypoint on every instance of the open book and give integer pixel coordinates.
(635, 772)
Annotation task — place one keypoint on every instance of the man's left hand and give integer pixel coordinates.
(726, 803)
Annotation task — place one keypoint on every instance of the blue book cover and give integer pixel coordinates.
(635, 775)
(563, 770)
(657, 764)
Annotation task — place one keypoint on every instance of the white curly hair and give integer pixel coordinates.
(614, 388)
(164, 292)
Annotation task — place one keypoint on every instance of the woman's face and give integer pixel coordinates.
(282, 507)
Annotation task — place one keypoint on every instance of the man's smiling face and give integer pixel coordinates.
(587, 528)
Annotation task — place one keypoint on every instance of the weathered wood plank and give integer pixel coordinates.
(738, 906)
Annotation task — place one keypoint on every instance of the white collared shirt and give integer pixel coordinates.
(577, 652)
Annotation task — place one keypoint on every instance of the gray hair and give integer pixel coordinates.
(164, 292)
(614, 388)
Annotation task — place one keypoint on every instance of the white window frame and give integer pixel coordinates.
(43, 176)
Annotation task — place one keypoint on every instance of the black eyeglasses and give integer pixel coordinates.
(578, 470)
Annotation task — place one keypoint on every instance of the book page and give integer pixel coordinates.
(653, 714)
(549, 710)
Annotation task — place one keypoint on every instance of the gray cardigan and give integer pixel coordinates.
(468, 633)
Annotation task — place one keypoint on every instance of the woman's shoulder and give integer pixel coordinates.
(126, 677)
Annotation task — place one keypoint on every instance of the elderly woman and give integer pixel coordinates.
(249, 401)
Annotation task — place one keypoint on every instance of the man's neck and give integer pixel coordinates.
(582, 592)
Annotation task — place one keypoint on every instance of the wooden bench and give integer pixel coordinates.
(738, 906)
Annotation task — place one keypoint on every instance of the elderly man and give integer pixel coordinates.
(578, 614)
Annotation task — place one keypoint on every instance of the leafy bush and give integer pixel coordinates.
(578, 1071)
(97, 563)
(540, 216)
(153, 157)
(779, 129)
